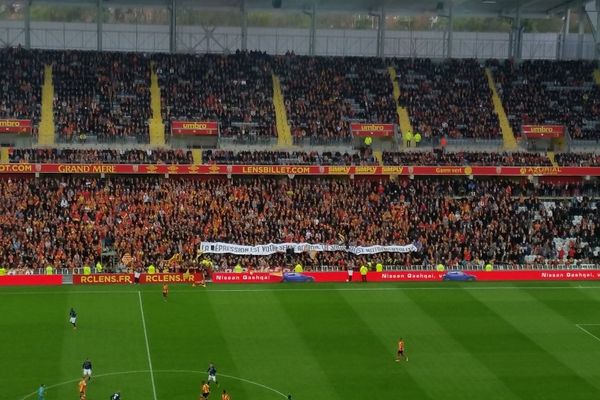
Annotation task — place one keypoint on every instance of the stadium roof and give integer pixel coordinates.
(530, 8)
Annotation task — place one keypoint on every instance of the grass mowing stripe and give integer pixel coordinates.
(190, 339)
(347, 350)
(515, 358)
(431, 351)
(34, 337)
(275, 342)
(553, 331)
(147, 345)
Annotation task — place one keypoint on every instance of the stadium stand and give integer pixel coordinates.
(21, 77)
(71, 156)
(578, 159)
(440, 157)
(436, 157)
(235, 90)
(450, 98)
(550, 92)
(364, 157)
(101, 94)
(66, 220)
(325, 94)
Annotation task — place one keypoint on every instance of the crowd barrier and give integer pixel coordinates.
(414, 276)
(30, 280)
(277, 277)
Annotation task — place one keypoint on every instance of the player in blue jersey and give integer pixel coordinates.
(87, 369)
(212, 374)
(73, 318)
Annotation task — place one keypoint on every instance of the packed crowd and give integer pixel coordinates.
(550, 92)
(450, 98)
(21, 78)
(65, 221)
(440, 157)
(101, 94)
(324, 95)
(578, 159)
(106, 94)
(363, 157)
(72, 156)
(236, 90)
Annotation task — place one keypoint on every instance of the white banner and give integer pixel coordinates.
(272, 248)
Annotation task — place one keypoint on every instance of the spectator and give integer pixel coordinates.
(578, 159)
(21, 77)
(65, 220)
(450, 98)
(325, 94)
(235, 90)
(101, 94)
(550, 92)
(473, 158)
(72, 156)
(364, 157)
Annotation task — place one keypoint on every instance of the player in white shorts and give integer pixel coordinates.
(87, 369)
(212, 374)
(73, 318)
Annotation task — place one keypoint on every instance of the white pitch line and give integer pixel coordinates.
(342, 289)
(588, 332)
(96, 376)
(160, 372)
(187, 371)
(147, 345)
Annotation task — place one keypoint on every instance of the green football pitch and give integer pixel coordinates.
(314, 341)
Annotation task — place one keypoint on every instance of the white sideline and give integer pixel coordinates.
(341, 289)
(581, 326)
(147, 345)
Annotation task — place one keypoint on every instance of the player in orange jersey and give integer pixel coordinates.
(401, 350)
(225, 396)
(205, 390)
(82, 388)
(165, 291)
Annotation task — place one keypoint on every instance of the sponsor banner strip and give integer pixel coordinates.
(15, 126)
(373, 130)
(30, 280)
(543, 131)
(199, 128)
(272, 248)
(219, 169)
(413, 276)
(108, 279)
(246, 277)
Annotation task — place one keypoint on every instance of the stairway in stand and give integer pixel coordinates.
(552, 158)
(403, 116)
(508, 136)
(197, 156)
(284, 134)
(378, 154)
(155, 124)
(46, 133)
(3, 155)
(597, 76)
